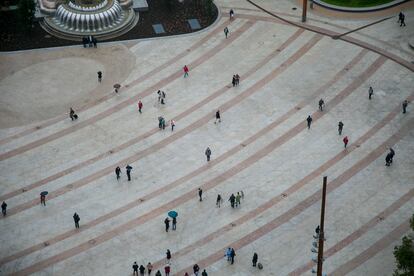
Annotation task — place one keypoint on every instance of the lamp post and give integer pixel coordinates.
(304, 8)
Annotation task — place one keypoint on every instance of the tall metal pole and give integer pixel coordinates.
(322, 226)
(304, 8)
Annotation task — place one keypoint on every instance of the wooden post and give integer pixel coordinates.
(304, 8)
(322, 226)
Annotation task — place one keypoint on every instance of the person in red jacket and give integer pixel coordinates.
(167, 270)
(185, 71)
(140, 105)
(345, 141)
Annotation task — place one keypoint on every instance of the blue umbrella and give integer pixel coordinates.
(172, 214)
(44, 193)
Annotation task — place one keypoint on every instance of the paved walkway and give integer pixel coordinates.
(262, 147)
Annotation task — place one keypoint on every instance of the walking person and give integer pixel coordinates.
(340, 127)
(238, 196)
(167, 224)
(401, 19)
(200, 194)
(388, 160)
(128, 171)
(142, 270)
(231, 14)
(163, 96)
(321, 104)
(72, 114)
(159, 96)
(208, 153)
(226, 31)
(345, 140)
(232, 200)
(118, 173)
(158, 273)
(43, 200)
(196, 269)
(219, 200)
(174, 223)
(233, 81)
(167, 270)
(185, 68)
(309, 120)
(99, 76)
(228, 254)
(149, 268)
(255, 258)
(370, 92)
(4, 208)
(172, 122)
(140, 105)
(232, 255)
(76, 218)
(218, 118)
(168, 254)
(404, 106)
(204, 273)
(237, 79)
(135, 269)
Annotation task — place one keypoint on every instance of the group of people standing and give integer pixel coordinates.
(128, 169)
(90, 41)
(236, 80)
(235, 200)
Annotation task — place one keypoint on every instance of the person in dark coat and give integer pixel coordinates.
(128, 171)
(219, 200)
(200, 194)
(233, 82)
(208, 154)
(196, 269)
(232, 200)
(76, 218)
(118, 173)
(168, 254)
(204, 273)
(95, 42)
(340, 127)
(226, 32)
(43, 200)
(232, 255)
(72, 114)
(309, 120)
(255, 258)
(401, 19)
(158, 273)
(321, 104)
(135, 269)
(167, 224)
(174, 223)
(218, 117)
(140, 105)
(99, 76)
(370, 92)
(4, 208)
(404, 106)
(142, 269)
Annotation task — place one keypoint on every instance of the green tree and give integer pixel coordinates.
(404, 255)
(26, 14)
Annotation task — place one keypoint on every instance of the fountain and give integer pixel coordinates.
(75, 19)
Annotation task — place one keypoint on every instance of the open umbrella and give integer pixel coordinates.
(44, 193)
(117, 86)
(172, 214)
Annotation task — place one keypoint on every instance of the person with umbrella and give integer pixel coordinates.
(118, 173)
(99, 76)
(76, 218)
(4, 208)
(43, 198)
(128, 171)
(173, 215)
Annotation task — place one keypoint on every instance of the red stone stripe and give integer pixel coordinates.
(358, 233)
(132, 100)
(373, 249)
(195, 125)
(308, 202)
(62, 117)
(152, 131)
(206, 186)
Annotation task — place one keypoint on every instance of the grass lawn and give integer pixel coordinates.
(357, 3)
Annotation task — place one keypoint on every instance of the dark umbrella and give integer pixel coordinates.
(172, 214)
(117, 86)
(44, 193)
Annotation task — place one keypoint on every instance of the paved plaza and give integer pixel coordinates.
(262, 146)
